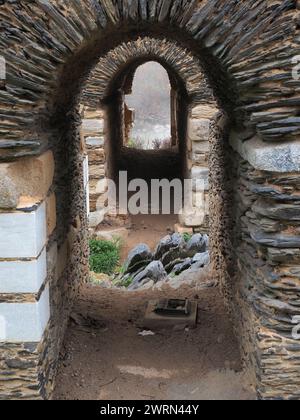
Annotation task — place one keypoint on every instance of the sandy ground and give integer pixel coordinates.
(104, 357)
(148, 229)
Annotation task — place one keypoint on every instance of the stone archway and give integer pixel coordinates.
(247, 50)
(193, 106)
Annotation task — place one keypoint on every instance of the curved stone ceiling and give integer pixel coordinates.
(182, 63)
(253, 43)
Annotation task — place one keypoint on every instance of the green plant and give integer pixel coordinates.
(187, 236)
(104, 256)
(136, 143)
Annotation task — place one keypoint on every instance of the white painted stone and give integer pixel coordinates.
(192, 217)
(94, 141)
(102, 186)
(199, 129)
(112, 234)
(86, 183)
(200, 176)
(93, 126)
(52, 257)
(96, 217)
(200, 146)
(273, 157)
(85, 171)
(205, 111)
(24, 322)
(23, 235)
(23, 276)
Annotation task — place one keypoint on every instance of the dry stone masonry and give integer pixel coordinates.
(202, 106)
(247, 51)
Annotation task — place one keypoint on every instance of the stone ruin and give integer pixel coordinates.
(248, 52)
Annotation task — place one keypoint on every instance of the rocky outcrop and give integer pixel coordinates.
(173, 255)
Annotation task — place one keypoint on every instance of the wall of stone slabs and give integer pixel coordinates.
(43, 261)
(267, 285)
(249, 67)
(101, 84)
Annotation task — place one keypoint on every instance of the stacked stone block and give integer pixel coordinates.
(201, 118)
(93, 133)
(26, 223)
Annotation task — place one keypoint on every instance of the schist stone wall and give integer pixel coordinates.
(202, 107)
(93, 133)
(199, 131)
(248, 50)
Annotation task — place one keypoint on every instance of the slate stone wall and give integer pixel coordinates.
(267, 282)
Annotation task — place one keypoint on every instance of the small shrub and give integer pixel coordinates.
(162, 144)
(187, 236)
(136, 143)
(104, 256)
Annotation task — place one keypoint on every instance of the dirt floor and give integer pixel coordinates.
(147, 229)
(105, 358)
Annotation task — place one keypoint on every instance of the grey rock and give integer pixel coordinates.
(276, 240)
(279, 211)
(281, 158)
(201, 260)
(185, 265)
(95, 141)
(137, 258)
(154, 271)
(9, 196)
(197, 244)
(173, 255)
(167, 243)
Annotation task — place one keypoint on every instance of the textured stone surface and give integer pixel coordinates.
(24, 322)
(154, 271)
(168, 53)
(9, 195)
(198, 243)
(137, 258)
(31, 178)
(23, 276)
(23, 235)
(282, 158)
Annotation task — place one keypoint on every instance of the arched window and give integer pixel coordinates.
(147, 110)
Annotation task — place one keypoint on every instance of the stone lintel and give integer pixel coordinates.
(272, 157)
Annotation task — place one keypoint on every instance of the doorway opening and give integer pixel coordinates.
(147, 110)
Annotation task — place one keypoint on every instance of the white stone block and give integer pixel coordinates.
(85, 171)
(200, 147)
(95, 142)
(274, 157)
(192, 217)
(96, 217)
(23, 235)
(23, 276)
(102, 186)
(199, 130)
(93, 126)
(24, 322)
(200, 176)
